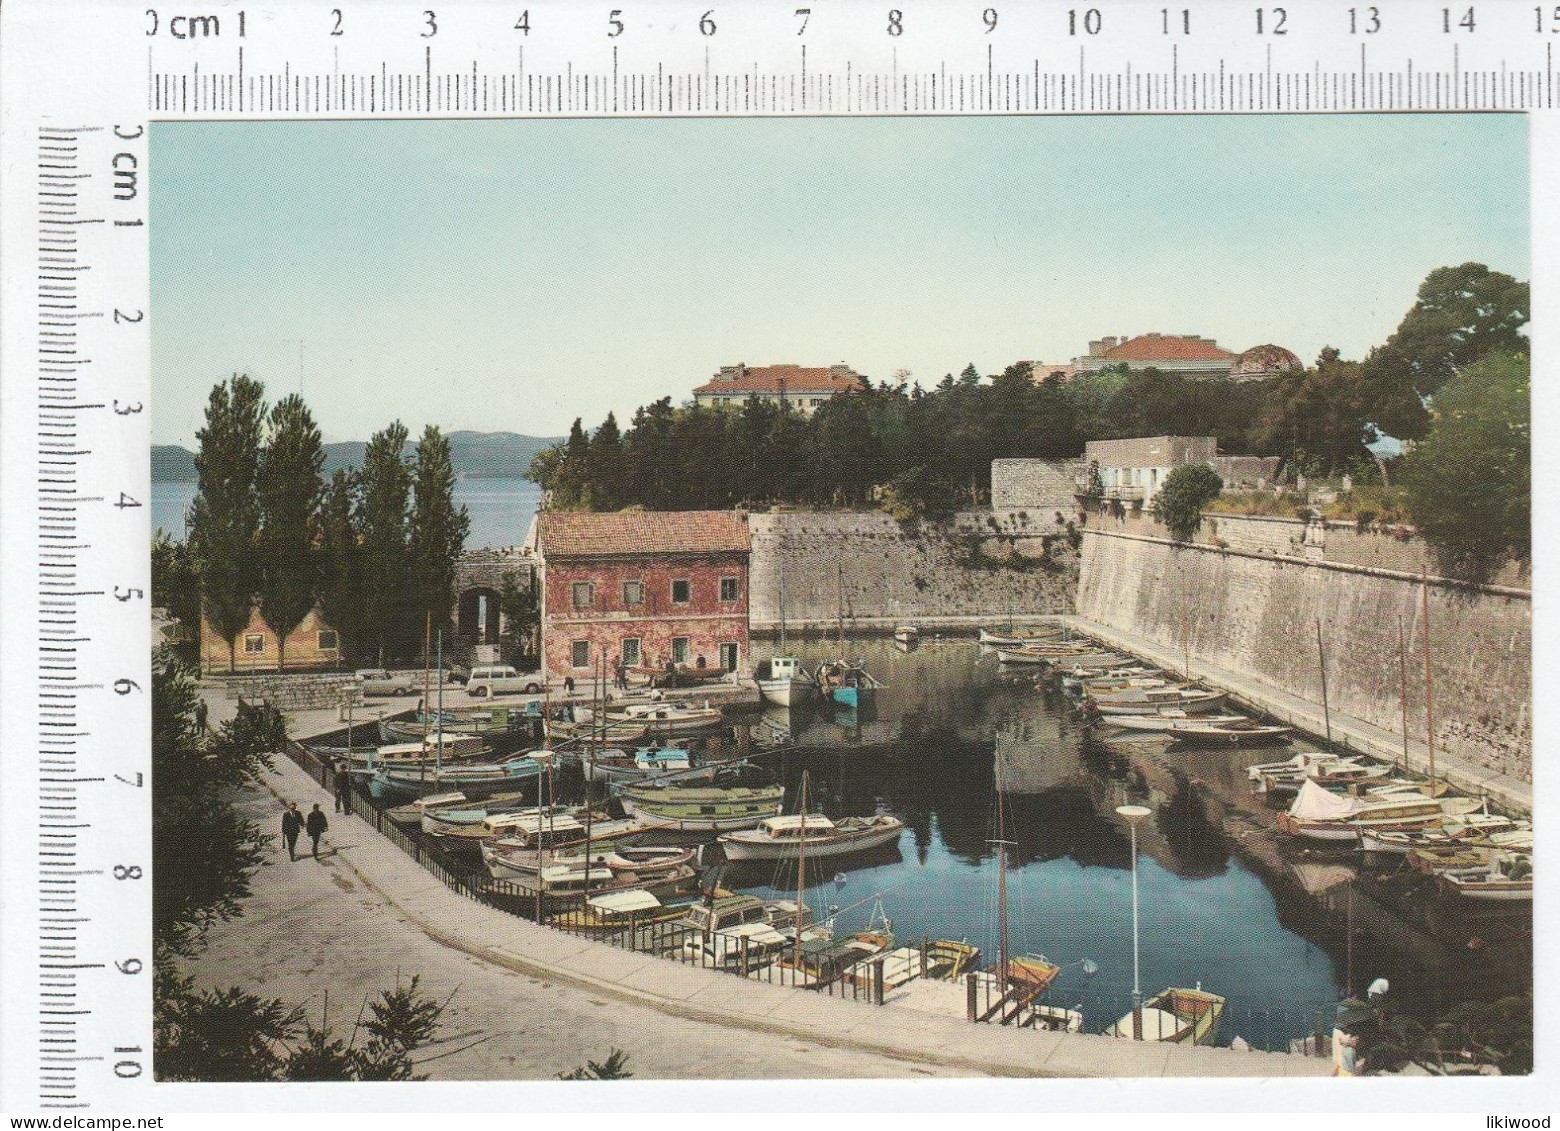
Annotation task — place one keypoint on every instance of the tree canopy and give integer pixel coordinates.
(1182, 497)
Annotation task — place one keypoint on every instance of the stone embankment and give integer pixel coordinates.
(875, 572)
(1257, 618)
(303, 691)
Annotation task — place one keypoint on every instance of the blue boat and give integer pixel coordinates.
(847, 682)
(475, 780)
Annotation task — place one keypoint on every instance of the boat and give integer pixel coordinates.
(1151, 701)
(703, 809)
(783, 680)
(1016, 639)
(1506, 878)
(662, 718)
(465, 817)
(646, 762)
(907, 633)
(1074, 657)
(1080, 679)
(1241, 732)
(1170, 719)
(621, 911)
(845, 681)
(1189, 1017)
(360, 760)
(474, 779)
(780, 838)
(523, 850)
(559, 887)
(1485, 830)
(606, 733)
(1299, 764)
(1319, 815)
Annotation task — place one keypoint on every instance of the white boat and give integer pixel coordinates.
(783, 681)
(781, 838)
(1170, 719)
(703, 810)
(907, 633)
(1508, 878)
(1319, 815)
(1151, 701)
(1237, 733)
(668, 718)
(1016, 640)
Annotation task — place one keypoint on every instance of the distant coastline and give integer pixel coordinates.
(475, 455)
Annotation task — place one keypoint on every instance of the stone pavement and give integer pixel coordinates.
(539, 1001)
(1510, 794)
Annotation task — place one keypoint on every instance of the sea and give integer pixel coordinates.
(500, 509)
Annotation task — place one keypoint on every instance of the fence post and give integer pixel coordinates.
(877, 982)
(971, 1005)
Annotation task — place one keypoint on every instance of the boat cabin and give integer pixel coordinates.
(791, 826)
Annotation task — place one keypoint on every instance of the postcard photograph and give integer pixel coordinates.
(800, 598)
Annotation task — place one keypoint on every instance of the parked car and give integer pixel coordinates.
(378, 681)
(501, 679)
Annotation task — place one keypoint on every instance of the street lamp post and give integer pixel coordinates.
(1134, 814)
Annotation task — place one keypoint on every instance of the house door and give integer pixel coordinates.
(728, 657)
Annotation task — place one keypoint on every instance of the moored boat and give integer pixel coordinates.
(783, 837)
(783, 680)
(907, 633)
(474, 779)
(1016, 639)
(703, 809)
(1180, 1016)
(1170, 719)
(1243, 732)
(1153, 700)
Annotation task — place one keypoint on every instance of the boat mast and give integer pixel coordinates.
(438, 755)
(1001, 844)
(801, 881)
(1424, 594)
(1321, 656)
(782, 612)
(1403, 688)
(422, 755)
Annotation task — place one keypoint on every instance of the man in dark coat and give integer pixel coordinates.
(316, 826)
(343, 784)
(292, 825)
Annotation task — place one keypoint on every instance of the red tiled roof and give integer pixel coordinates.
(797, 379)
(579, 534)
(1168, 347)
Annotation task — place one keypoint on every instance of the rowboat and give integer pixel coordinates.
(1298, 765)
(1078, 678)
(782, 837)
(668, 718)
(706, 809)
(907, 633)
(1507, 878)
(1181, 1016)
(1170, 719)
(474, 779)
(783, 681)
(1319, 815)
(1073, 657)
(1016, 640)
(1151, 701)
(1241, 732)
(621, 911)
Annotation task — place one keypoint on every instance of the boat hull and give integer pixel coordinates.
(753, 849)
(786, 692)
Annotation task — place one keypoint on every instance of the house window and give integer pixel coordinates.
(682, 592)
(679, 649)
(580, 656)
(728, 657)
(327, 641)
(584, 594)
(254, 643)
(730, 589)
(631, 652)
(633, 593)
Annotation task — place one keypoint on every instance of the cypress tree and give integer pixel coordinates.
(289, 487)
(341, 589)
(224, 520)
(437, 531)
(386, 485)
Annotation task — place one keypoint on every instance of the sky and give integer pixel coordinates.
(514, 275)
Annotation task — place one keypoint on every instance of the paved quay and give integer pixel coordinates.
(1508, 793)
(537, 1001)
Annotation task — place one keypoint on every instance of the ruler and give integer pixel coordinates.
(84, 82)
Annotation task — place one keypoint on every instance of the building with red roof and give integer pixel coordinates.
(800, 387)
(1186, 355)
(648, 588)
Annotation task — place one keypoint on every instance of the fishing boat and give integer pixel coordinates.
(1085, 657)
(907, 633)
(846, 681)
(559, 887)
(1319, 815)
(1507, 878)
(1016, 639)
(1481, 829)
(663, 718)
(783, 680)
(703, 809)
(1170, 719)
(1189, 1017)
(361, 759)
(474, 779)
(524, 850)
(1077, 678)
(1241, 732)
(605, 733)
(1151, 701)
(465, 817)
(782, 837)
(646, 762)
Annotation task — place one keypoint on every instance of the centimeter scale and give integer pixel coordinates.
(82, 85)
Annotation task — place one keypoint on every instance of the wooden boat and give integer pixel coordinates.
(1151, 701)
(1030, 975)
(411, 813)
(1189, 1017)
(781, 837)
(1319, 815)
(362, 759)
(951, 960)
(1170, 719)
(607, 733)
(621, 911)
(783, 680)
(668, 718)
(1474, 829)
(474, 779)
(526, 850)
(846, 681)
(465, 817)
(1298, 765)
(1507, 878)
(706, 809)
(907, 633)
(1086, 658)
(1016, 639)
(1093, 679)
(646, 762)
(1242, 732)
(560, 887)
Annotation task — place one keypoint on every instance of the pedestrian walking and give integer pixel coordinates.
(343, 786)
(568, 685)
(620, 674)
(200, 715)
(316, 826)
(292, 825)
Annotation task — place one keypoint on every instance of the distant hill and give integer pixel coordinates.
(480, 455)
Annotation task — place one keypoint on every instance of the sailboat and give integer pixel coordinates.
(845, 681)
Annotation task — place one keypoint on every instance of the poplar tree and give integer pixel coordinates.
(606, 465)
(224, 520)
(289, 488)
(437, 531)
(386, 485)
(341, 590)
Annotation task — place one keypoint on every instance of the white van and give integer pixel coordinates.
(501, 679)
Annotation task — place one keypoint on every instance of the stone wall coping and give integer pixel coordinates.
(1340, 567)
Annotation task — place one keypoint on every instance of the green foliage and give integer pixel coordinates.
(1469, 483)
(522, 616)
(613, 1068)
(1460, 315)
(1498, 1033)
(386, 489)
(437, 530)
(289, 488)
(1316, 417)
(341, 586)
(224, 520)
(1094, 491)
(176, 581)
(1181, 499)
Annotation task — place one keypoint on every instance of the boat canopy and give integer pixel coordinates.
(1313, 803)
(792, 824)
(624, 902)
(561, 873)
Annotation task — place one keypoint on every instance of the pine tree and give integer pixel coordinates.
(341, 589)
(386, 485)
(289, 488)
(606, 465)
(438, 529)
(224, 520)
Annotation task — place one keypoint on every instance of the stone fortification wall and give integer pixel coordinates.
(1257, 613)
(301, 692)
(1042, 487)
(979, 564)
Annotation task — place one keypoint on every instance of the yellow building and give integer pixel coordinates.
(313, 644)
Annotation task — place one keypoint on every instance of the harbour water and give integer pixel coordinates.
(500, 509)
